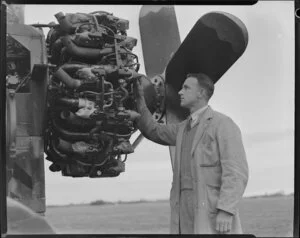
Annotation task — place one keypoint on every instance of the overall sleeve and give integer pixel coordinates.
(156, 132)
(234, 165)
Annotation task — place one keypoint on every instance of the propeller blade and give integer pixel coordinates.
(159, 37)
(137, 141)
(213, 45)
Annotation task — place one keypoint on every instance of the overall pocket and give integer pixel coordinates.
(212, 195)
(206, 151)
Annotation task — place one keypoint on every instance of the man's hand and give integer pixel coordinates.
(139, 88)
(139, 94)
(133, 115)
(223, 221)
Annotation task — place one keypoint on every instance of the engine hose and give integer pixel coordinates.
(125, 136)
(128, 43)
(100, 13)
(75, 137)
(56, 50)
(109, 146)
(94, 35)
(96, 129)
(129, 73)
(68, 148)
(82, 52)
(65, 25)
(53, 153)
(84, 84)
(56, 152)
(81, 29)
(107, 105)
(105, 153)
(64, 146)
(80, 148)
(86, 39)
(70, 136)
(125, 94)
(52, 156)
(110, 85)
(67, 102)
(71, 119)
(99, 157)
(74, 103)
(72, 68)
(106, 136)
(86, 74)
(67, 79)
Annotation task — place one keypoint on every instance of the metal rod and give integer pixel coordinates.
(137, 141)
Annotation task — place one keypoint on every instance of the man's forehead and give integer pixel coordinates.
(190, 81)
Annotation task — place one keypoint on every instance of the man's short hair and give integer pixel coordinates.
(205, 82)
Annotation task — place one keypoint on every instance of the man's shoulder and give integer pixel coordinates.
(219, 116)
(221, 119)
(224, 122)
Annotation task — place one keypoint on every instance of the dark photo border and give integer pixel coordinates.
(3, 214)
(297, 122)
(3, 180)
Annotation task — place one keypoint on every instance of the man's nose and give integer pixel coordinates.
(180, 92)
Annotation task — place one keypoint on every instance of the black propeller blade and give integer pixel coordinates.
(215, 42)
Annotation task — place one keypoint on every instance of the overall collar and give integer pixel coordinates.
(196, 115)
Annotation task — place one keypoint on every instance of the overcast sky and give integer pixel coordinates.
(257, 92)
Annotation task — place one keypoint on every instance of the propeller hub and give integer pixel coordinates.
(159, 87)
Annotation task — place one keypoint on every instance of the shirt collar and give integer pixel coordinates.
(195, 115)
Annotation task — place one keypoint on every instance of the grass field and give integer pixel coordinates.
(262, 216)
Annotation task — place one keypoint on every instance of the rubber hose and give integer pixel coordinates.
(70, 136)
(82, 52)
(64, 77)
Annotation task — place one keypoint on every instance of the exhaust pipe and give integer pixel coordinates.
(67, 79)
(75, 103)
(80, 147)
(82, 52)
(56, 50)
(71, 119)
(89, 75)
(70, 136)
(65, 25)
(72, 68)
(88, 83)
(55, 152)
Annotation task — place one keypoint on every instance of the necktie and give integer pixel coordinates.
(189, 124)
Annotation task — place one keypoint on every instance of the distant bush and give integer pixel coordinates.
(142, 201)
(134, 202)
(99, 203)
(275, 194)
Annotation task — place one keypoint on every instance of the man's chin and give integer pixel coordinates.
(182, 105)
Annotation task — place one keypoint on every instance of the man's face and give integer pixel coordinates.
(190, 93)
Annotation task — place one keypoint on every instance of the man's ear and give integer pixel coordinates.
(201, 93)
